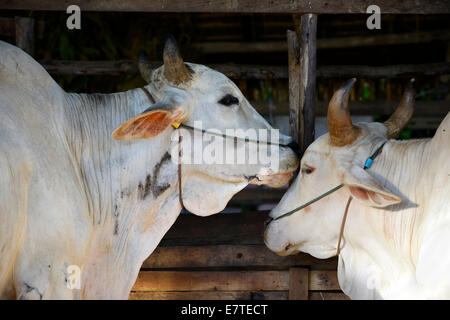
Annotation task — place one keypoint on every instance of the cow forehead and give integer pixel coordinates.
(319, 148)
(212, 79)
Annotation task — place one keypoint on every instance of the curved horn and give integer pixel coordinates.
(144, 67)
(340, 127)
(174, 68)
(401, 116)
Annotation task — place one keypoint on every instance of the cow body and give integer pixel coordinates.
(397, 229)
(72, 196)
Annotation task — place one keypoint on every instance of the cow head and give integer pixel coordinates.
(333, 159)
(197, 96)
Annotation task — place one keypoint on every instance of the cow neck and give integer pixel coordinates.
(180, 189)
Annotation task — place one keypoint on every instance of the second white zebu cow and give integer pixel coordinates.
(72, 197)
(397, 232)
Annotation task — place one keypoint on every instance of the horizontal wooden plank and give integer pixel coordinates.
(228, 256)
(324, 295)
(240, 228)
(323, 280)
(245, 6)
(209, 295)
(212, 281)
(324, 43)
(438, 108)
(242, 71)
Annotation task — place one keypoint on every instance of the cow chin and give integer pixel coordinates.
(273, 180)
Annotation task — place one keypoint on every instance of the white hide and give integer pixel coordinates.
(389, 251)
(72, 196)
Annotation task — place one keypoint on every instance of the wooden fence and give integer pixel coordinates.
(224, 257)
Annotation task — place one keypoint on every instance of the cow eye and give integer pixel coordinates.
(307, 169)
(229, 100)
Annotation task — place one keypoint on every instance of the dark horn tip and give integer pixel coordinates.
(171, 42)
(349, 84)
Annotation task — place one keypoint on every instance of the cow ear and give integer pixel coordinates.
(366, 189)
(148, 124)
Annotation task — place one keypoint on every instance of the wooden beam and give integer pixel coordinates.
(422, 108)
(323, 280)
(324, 43)
(212, 281)
(324, 295)
(295, 115)
(237, 6)
(243, 71)
(241, 228)
(25, 34)
(298, 283)
(210, 295)
(214, 256)
(306, 34)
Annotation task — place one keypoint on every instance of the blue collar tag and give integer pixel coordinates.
(368, 163)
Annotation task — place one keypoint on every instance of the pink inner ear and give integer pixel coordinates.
(144, 126)
(359, 193)
(373, 196)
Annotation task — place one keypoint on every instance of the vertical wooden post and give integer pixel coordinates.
(295, 115)
(25, 34)
(306, 29)
(298, 283)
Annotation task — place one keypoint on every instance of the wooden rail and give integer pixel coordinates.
(324, 43)
(237, 6)
(238, 71)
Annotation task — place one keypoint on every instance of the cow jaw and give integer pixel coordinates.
(205, 195)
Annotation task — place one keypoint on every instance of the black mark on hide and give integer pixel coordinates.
(144, 189)
(116, 227)
(29, 289)
(151, 181)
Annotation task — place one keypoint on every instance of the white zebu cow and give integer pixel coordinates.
(396, 237)
(70, 195)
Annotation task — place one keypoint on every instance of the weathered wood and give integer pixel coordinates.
(307, 39)
(323, 280)
(298, 283)
(392, 71)
(237, 71)
(208, 295)
(323, 295)
(245, 6)
(25, 34)
(436, 108)
(212, 281)
(241, 228)
(211, 47)
(228, 256)
(295, 116)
